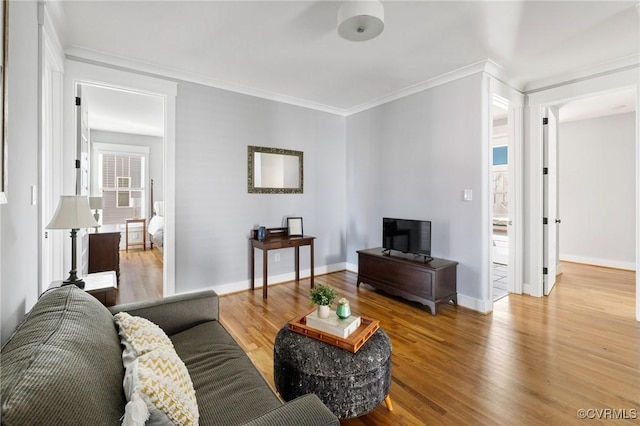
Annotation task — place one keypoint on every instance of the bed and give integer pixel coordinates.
(156, 223)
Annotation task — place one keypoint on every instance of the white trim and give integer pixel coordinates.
(579, 89)
(120, 149)
(479, 305)
(82, 54)
(586, 73)
(277, 279)
(637, 201)
(486, 287)
(85, 73)
(419, 87)
(607, 263)
(351, 267)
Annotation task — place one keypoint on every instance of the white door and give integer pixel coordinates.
(550, 198)
(51, 261)
(82, 175)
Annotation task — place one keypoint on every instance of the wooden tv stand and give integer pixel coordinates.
(409, 276)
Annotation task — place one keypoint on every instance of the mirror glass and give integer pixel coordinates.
(274, 171)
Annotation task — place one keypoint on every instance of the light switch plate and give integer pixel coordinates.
(467, 195)
(34, 195)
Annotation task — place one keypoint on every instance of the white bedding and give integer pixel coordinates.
(156, 229)
(155, 224)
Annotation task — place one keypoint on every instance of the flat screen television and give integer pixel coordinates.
(407, 236)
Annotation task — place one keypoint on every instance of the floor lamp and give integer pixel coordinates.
(73, 213)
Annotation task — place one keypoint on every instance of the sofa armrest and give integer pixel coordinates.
(176, 313)
(306, 410)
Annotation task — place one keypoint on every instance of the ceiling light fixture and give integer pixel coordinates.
(360, 20)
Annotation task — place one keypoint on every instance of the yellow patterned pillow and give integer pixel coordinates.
(159, 389)
(139, 336)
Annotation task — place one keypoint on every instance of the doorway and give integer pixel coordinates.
(500, 199)
(83, 74)
(126, 157)
(504, 203)
(597, 182)
(625, 78)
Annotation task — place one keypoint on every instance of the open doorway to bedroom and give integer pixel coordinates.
(500, 198)
(126, 164)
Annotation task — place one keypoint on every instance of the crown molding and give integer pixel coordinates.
(416, 88)
(488, 66)
(82, 54)
(620, 64)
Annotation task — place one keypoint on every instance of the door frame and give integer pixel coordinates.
(515, 140)
(50, 254)
(615, 80)
(76, 73)
(550, 134)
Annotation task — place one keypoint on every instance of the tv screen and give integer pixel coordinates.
(407, 236)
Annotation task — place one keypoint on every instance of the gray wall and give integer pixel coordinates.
(411, 159)
(19, 218)
(214, 212)
(597, 190)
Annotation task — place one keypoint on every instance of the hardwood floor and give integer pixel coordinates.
(140, 275)
(532, 361)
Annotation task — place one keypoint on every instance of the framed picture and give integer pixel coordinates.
(294, 226)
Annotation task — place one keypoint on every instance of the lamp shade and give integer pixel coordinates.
(73, 213)
(95, 203)
(360, 20)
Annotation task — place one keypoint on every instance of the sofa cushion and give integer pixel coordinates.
(229, 389)
(65, 355)
(138, 336)
(158, 387)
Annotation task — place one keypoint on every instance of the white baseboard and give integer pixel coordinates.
(607, 263)
(277, 279)
(479, 305)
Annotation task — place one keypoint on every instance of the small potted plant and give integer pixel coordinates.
(323, 296)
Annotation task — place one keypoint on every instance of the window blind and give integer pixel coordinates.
(122, 184)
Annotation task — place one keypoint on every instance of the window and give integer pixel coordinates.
(121, 181)
(123, 197)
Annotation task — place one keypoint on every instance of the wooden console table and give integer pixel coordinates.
(277, 238)
(430, 283)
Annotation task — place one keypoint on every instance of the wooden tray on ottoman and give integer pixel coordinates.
(351, 343)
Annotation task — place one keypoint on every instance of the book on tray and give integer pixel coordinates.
(333, 324)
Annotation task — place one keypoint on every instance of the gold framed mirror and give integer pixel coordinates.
(274, 171)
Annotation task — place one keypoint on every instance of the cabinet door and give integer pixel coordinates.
(103, 252)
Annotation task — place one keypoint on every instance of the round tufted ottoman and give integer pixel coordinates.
(349, 384)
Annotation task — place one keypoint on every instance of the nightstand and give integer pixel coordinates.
(104, 251)
(102, 285)
(144, 233)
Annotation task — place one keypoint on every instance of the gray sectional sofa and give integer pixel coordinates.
(63, 365)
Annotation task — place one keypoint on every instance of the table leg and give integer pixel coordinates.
(126, 236)
(297, 262)
(387, 401)
(144, 235)
(264, 273)
(311, 261)
(253, 268)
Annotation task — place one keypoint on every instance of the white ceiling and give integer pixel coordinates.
(290, 50)
(124, 112)
(601, 105)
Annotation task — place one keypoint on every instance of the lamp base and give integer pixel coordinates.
(73, 279)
